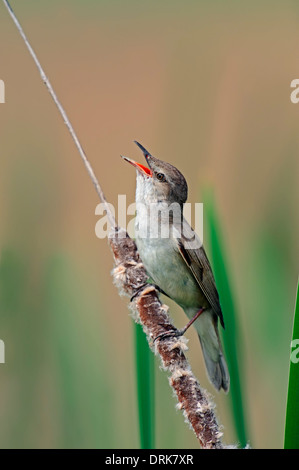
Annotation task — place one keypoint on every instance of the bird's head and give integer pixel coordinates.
(160, 181)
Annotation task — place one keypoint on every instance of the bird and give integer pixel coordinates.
(175, 259)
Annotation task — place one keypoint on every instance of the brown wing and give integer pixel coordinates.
(194, 255)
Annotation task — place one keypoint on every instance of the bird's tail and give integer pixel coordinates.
(207, 329)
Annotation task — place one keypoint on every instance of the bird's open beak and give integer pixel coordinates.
(143, 169)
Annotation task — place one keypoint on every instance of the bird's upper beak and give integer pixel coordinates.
(143, 169)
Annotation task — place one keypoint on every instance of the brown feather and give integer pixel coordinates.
(197, 260)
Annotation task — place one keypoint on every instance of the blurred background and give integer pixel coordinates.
(203, 85)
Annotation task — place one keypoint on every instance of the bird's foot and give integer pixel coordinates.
(170, 334)
(140, 289)
(146, 284)
(176, 333)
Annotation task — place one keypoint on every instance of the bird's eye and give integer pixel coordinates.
(160, 177)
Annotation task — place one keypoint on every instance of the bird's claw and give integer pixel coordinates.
(169, 334)
(138, 291)
(146, 284)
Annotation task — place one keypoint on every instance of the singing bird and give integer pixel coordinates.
(175, 259)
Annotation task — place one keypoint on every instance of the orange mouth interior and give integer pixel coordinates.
(146, 170)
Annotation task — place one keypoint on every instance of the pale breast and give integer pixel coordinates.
(169, 271)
